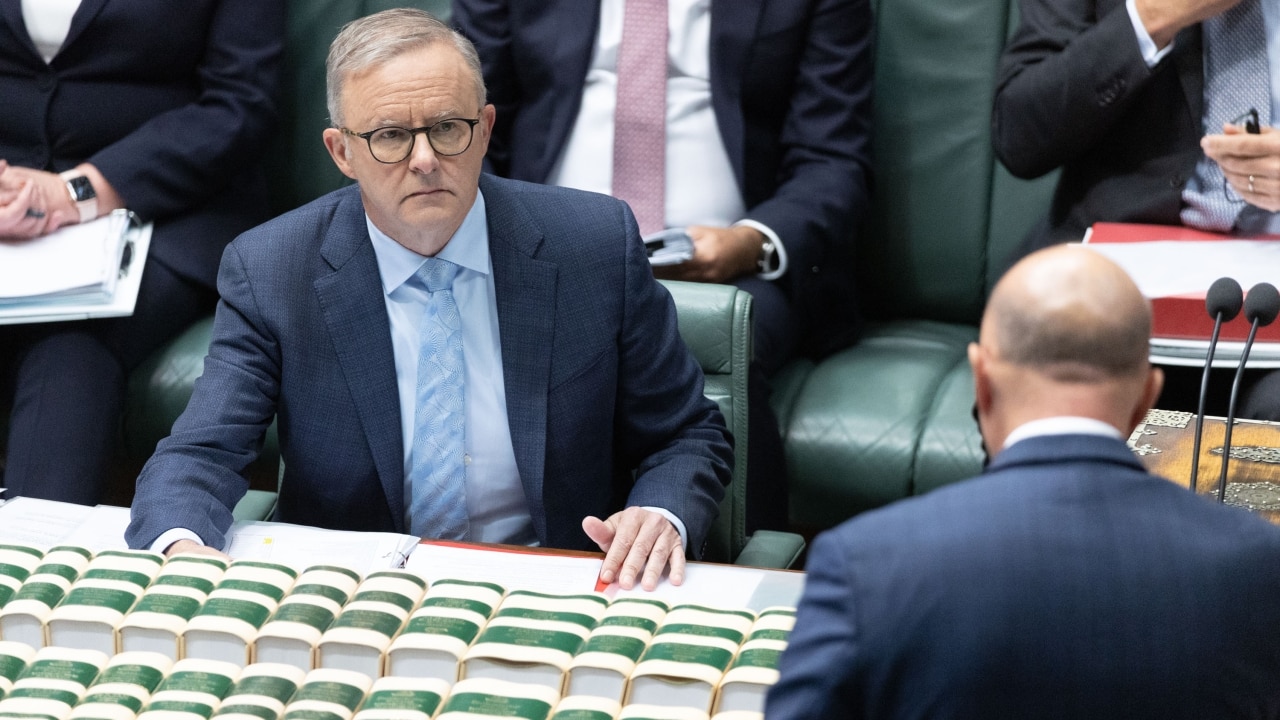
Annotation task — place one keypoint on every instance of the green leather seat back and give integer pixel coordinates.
(715, 322)
(945, 213)
(891, 416)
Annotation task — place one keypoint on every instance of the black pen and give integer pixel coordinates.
(1250, 120)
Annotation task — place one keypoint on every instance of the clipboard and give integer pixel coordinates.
(121, 301)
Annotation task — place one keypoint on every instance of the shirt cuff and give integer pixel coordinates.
(1150, 54)
(778, 248)
(684, 540)
(170, 537)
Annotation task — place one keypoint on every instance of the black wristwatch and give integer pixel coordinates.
(82, 194)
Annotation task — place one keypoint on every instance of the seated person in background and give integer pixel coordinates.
(448, 354)
(1141, 104)
(1065, 581)
(746, 123)
(163, 108)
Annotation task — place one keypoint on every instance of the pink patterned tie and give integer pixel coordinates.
(640, 121)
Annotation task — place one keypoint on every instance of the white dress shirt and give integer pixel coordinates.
(700, 185)
(48, 22)
(1062, 425)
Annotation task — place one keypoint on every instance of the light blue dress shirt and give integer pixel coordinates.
(496, 503)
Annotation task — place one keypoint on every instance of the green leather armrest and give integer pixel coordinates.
(771, 549)
(255, 505)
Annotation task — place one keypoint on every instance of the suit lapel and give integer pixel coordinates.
(733, 31)
(11, 15)
(356, 317)
(87, 11)
(577, 22)
(1190, 67)
(526, 295)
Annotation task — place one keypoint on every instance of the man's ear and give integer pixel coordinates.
(336, 143)
(488, 114)
(981, 380)
(1151, 388)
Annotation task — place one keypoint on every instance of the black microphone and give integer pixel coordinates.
(1261, 306)
(1223, 301)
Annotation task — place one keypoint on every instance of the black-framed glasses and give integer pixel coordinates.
(392, 144)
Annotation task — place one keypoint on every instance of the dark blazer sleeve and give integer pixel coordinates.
(672, 433)
(196, 476)
(1071, 73)
(174, 161)
(819, 187)
(816, 669)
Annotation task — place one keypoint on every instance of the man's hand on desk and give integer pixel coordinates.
(1251, 163)
(638, 544)
(194, 548)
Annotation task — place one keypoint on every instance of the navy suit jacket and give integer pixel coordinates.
(1065, 582)
(172, 101)
(604, 401)
(1074, 93)
(791, 88)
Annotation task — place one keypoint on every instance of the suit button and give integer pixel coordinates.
(1175, 180)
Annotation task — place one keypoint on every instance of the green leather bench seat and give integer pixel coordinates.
(885, 419)
(856, 424)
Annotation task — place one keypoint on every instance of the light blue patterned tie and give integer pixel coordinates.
(1236, 78)
(437, 478)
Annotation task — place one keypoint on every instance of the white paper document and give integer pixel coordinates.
(39, 523)
(22, 277)
(723, 586)
(300, 547)
(1165, 268)
(81, 259)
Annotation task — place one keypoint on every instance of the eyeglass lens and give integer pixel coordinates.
(447, 137)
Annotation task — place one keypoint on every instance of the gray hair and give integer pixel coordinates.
(374, 39)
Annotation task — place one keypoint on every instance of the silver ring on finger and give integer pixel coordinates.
(1251, 184)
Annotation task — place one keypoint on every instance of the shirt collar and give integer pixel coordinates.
(1063, 425)
(468, 248)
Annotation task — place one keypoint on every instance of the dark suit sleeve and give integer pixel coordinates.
(176, 160)
(487, 24)
(1071, 71)
(823, 179)
(196, 476)
(667, 428)
(817, 667)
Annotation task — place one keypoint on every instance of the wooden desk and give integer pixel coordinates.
(1165, 439)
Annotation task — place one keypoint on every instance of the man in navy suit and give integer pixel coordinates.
(580, 398)
(766, 150)
(1065, 581)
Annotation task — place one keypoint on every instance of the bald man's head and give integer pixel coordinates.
(1070, 314)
